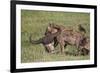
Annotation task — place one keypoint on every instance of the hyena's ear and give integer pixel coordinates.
(51, 24)
(49, 27)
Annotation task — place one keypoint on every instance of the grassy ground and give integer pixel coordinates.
(35, 23)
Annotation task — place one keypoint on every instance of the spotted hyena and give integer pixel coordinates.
(66, 37)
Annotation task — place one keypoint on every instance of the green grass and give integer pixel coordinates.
(36, 22)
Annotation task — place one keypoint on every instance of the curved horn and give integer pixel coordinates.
(35, 41)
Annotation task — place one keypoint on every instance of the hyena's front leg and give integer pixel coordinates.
(62, 46)
(55, 42)
(61, 43)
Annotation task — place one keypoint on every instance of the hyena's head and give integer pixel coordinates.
(51, 29)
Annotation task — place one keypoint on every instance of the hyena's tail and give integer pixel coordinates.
(35, 41)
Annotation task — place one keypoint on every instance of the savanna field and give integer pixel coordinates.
(36, 22)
